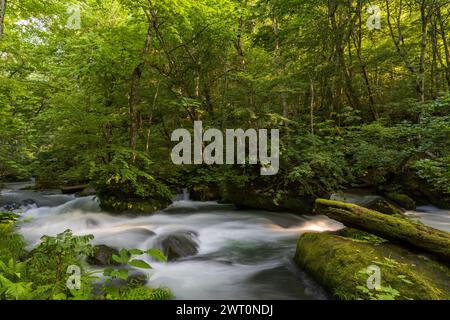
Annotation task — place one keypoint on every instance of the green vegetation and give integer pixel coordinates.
(97, 104)
(91, 95)
(42, 273)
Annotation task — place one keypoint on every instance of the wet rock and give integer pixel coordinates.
(372, 202)
(29, 202)
(178, 244)
(402, 200)
(92, 223)
(89, 191)
(249, 198)
(103, 256)
(10, 206)
(139, 234)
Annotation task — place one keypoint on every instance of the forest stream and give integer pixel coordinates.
(242, 254)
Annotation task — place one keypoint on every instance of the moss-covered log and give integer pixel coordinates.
(422, 237)
(341, 265)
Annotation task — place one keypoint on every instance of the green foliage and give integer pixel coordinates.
(134, 291)
(42, 273)
(436, 172)
(123, 183)
(54, 255)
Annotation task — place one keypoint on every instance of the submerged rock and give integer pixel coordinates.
(178, 244)
(103, 256)
(341, 265)
(92, 223)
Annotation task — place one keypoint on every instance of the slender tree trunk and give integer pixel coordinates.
(443, 34)
(358, 46)
(399, 42)
(424, 16)
(434, 74)
(311, 106)
(2, 16)
(238, 43)
(150, 119)
(338, 32)
(134, 98)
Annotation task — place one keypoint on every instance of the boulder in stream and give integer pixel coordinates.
(344, 266)
(372, 202)
(178, 245)
(103, 256)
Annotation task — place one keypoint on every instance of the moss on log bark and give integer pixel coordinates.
(392, 228)
(341, 265)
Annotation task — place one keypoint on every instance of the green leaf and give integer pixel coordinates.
(157, 254)
(139, 264)
(135, 252)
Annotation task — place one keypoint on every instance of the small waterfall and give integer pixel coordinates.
(183, 196)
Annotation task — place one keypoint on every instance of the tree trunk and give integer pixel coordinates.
(2, 16)
(388, 227)
(445, 44)
(358, 46)
(133, 98)
(424, 17)
(398, 42)
(238, 43)
(311, 107)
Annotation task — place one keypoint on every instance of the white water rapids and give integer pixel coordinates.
(242, 254)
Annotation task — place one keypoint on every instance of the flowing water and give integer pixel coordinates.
(242, 254)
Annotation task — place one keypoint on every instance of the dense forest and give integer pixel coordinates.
(91, 91)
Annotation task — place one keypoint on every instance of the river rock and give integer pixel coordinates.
(372, 202)
(178, 245)
(92, 223)
(342, 265)
(402, 200)
(10, 206)
(249, 198)
(103, 256)
(89, 191)
(29, 202)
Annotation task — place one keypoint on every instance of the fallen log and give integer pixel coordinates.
(422, 237)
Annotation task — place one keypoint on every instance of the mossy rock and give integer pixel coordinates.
(253, 199)
(340, 265)
(402, 200)
(399, 229)
(369, 201)
(115, 205)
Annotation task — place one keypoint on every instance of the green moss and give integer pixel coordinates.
(116, 205)
(402, 200)
(386, 207)
(388, 227)
(251, 199)
(339, 263)
(359, 235)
